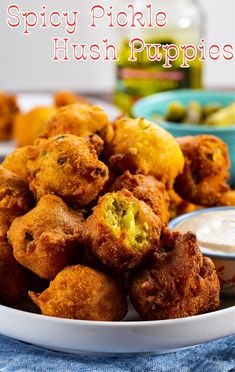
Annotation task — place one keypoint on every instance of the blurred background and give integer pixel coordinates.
(26, 65)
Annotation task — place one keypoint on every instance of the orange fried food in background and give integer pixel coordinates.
(28, 126)
(8, 109)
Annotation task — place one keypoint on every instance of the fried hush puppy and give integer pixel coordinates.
(67, 166)
(143, 147)
(148, 189)
(16, 162)
(28, 126)
(15, 197)
(46, 239)
(8, 109)
(178, 282)
(206, 170)
(68, 98)
(13, 277)
(227, 199)
(122, 230)
(77, 119)
(179, 206)
(80, 292)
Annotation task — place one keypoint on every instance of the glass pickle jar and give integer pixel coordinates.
(144, 77)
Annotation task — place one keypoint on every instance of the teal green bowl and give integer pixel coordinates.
(158, 104)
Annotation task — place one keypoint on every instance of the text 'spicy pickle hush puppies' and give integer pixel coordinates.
(77, 119)
(206, 171)
(148, 189)
(122, 230)
(177, 282)
(143, 147)
(67, 166)
(46, 239)
(80, 292)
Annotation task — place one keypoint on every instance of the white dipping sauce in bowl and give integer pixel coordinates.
(215, 231)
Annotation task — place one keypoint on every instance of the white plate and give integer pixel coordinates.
(129, 336)
(27, 101)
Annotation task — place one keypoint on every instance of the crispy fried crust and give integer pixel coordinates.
(16, 162)
(178, 281)
(122, 230)
(227, 199)
(47, 238)
(143, 147)
(67, 166)
(148, 189)
(80, 292)
(15, 197)
(13, 277)
(206, 170)
(8, 109)
(76, 119)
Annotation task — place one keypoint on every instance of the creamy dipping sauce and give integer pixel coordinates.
(215, 230)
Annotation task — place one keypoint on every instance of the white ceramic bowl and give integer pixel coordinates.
(224, 262)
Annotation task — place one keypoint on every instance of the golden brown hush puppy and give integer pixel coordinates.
(177, 282)
(46, 239)
(80, 292)
(179, 206)
(227, 199)
(78, 119)
(143, 147)
(68, 98)
(15, 196)
(206, 170)
(28, 126)
(16, 162)
(122, 230)
(8, 109)
(148, 189)
(67, 166)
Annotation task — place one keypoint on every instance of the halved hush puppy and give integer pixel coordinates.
(47, 238)
(80, 292)
(148, 189)
(67, 166)
(122, 230)
(143, 147)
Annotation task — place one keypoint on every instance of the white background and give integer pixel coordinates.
(25, 61)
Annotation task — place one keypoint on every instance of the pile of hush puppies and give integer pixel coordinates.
(84, 212)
